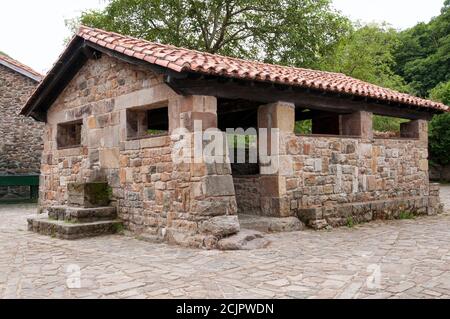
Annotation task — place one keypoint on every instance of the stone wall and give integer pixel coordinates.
(188, 204)
(20, 137)
(322, 180)
(336, 179)
(248, 194)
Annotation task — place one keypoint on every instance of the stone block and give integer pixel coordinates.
(218, 185)
(279, 115)
(88, 195)
(109, 158)
(221, 226)
(309, 214)
(154, 142)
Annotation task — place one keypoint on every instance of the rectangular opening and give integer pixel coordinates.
(388, 127)
(315, 122)
(147, 122)
(69, 134)
(239, 118)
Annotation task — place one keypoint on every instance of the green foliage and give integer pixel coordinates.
(242, 141)
(439, 130)
(350, 222)
(303, 127)
(441, 93)
(367, 54)
(387, 124)
(118, 228)
(406, 215)
(156, 132)
(423, 57)
(439, 140)
(295, 32)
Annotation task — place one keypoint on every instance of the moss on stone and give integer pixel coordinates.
(97, 193)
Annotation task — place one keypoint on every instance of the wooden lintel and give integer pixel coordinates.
(304, 98)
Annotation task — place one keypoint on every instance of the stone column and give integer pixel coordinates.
(279, 120)
(193, 108)
(357, 124)
(207, 211)
(415, 129)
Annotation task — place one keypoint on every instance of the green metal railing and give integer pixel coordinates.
(27, 180)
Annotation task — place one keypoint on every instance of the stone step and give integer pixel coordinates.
(69, 231)
(81, 215)
(270, 224)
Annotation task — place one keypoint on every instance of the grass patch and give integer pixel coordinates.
(118, 228)
(406, 215)
(350, 222)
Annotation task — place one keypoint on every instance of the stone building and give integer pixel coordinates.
(20, 136)
(113, 106)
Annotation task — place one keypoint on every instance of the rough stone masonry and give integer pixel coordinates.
(20, 136)
(115, 121)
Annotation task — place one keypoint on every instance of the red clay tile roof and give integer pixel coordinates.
(179, 59)
(22, 68)
(185, 60)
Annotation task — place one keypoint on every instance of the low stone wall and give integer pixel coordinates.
(336, 178)
(440, 173)
(248, 194)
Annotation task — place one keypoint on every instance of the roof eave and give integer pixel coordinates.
(21, 71)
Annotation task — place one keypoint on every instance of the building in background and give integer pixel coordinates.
(20, 136)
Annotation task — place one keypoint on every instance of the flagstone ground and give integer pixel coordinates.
(395, 259)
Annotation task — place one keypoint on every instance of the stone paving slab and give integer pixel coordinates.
(395, 259)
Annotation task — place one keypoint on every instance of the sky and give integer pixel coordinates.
(34, 32)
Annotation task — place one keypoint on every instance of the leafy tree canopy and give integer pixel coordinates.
(440, 127)
(423, 57)
(441, 93)
(368, 54)
(294, 32)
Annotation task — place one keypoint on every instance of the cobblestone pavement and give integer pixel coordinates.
(395, 259)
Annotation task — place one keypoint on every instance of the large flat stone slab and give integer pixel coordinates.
(271, 224)
(81, 215)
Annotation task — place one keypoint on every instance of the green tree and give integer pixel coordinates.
(441, 93)
(423, 57)
(295, 32)
(439, 141)
(368, 54)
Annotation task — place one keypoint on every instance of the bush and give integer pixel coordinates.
(439, 142)
(440, 127)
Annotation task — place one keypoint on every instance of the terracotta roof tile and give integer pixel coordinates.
(185, 60)
(26, 69)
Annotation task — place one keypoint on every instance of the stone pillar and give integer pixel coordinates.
(194, 108)
(434, 202)
(357, 124)
(415, 129)
(281, 116)
(208, 210)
